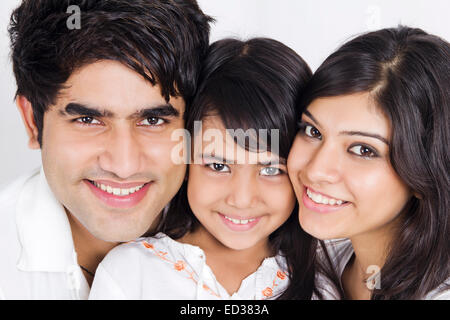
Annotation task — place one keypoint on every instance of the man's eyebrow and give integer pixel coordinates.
(164, 110)
(78, 109)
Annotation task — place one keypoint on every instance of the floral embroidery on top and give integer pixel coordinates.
(179, 266)
(268, 291)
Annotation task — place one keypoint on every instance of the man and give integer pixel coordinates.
(100, 97)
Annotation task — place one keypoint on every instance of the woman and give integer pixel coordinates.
(371, 164)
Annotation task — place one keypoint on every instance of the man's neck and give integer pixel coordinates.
(90, 250)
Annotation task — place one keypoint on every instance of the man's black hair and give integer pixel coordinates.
(163, 40)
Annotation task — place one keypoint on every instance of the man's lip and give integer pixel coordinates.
(116, 201)
(114, 184)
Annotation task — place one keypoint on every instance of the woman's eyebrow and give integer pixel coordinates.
(307, 113)
(365, 134)
(352, 132)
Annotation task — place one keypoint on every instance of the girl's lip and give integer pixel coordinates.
(238, 227)
(319, 207)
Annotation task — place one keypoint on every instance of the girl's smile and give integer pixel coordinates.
(240, 204)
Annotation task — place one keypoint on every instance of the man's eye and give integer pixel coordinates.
(153, 121)
(363, 151)
(88, 120)
(219, 167)
(270, 171)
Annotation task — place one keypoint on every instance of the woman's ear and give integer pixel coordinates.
(26, 111)
(417, 195)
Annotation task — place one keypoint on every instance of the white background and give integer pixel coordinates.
(313, 28)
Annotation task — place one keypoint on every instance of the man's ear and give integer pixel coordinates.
(26, 111)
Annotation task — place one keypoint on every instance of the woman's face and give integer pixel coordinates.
(340, 169)
(236, 200)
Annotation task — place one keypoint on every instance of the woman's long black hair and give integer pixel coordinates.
(254, 84)
(407, 71)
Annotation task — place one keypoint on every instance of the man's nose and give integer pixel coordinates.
(122, 153)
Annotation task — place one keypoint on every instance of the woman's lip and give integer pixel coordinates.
(318, 207)
(323, 194)
(119, 202)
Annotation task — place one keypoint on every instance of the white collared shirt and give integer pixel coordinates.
(162, 268)
(38, 259)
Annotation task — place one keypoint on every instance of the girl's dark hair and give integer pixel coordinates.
(253, 84)
(407, 71)
(163, 40)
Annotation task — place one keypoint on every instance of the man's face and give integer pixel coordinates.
(106, 150)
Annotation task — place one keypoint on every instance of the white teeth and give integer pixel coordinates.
(237, 221)
(319, 198)
(117, 191)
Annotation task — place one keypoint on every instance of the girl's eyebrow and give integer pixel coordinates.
(351, 133)
(261, 163)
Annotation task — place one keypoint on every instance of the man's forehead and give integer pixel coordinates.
(112, 86)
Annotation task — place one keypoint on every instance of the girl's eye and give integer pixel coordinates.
(363, 151)
(153, 121)
(312, 132)
(219, 167)
(88, 120)
(270, 171)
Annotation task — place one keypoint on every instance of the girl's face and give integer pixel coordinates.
(239, 202)
(340, 169)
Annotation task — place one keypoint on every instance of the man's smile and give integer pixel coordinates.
(117, 195)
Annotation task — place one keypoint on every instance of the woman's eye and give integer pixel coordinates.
(153, 121)
(88, 120)
(312, 132)
(270, 171)
(219, 167)
(363, 151)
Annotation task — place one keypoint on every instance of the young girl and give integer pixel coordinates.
(371, 164)
(232, 231)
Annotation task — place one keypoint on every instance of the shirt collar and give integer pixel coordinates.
(43, 228)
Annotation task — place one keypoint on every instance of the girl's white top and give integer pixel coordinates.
(341, 251)
(162, 268)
